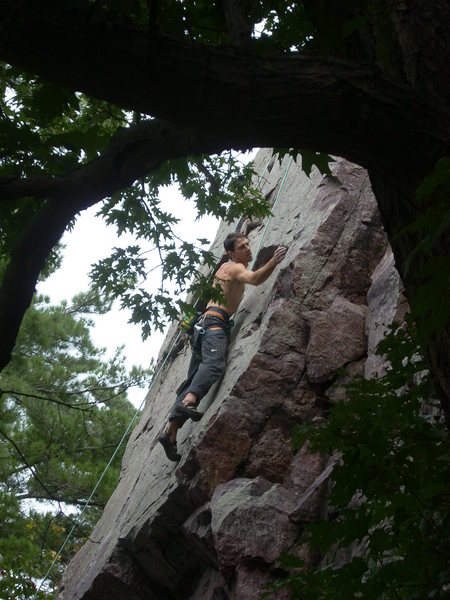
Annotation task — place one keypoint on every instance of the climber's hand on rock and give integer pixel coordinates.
(279, 254)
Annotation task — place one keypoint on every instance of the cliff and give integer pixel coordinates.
(213, 526)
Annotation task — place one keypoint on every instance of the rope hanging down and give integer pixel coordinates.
(152, 383)
(130, 424)
(272, 211)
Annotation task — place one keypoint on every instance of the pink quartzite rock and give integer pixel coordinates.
(337, 338)
(198, 529)
(224, 445)
(252, 581)
(386, 305)
(271, 453)
(250, 521)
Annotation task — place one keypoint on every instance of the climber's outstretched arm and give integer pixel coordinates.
(240, 273)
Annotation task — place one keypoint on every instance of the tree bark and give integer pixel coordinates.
(239, 29)
(327, 104)
(395, 198)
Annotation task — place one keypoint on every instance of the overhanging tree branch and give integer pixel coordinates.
(12, 188)
(323, 103)
(132, 153)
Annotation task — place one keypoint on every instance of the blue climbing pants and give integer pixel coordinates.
(209, 349)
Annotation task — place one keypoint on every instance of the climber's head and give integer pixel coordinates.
(237, 248)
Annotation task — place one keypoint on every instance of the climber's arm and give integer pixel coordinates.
(240, 273)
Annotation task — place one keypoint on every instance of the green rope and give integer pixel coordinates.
(272, 211)
(135, 416)
(78, 519)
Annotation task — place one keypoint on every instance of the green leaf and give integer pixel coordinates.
(309, 159)
(318, 159)
(439, 178)
(48, 101)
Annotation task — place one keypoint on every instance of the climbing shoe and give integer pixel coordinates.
(170, 448)
(189, 411)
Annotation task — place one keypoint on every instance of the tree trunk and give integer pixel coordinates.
(397, 209)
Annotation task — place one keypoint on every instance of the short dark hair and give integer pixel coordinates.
(231, 239)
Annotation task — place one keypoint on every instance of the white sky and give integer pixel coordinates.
(90, 240)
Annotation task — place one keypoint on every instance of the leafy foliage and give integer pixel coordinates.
(387, 532)
(428, 260)
(63, 410)
(45, 129)
(219, 185)
(277, 25)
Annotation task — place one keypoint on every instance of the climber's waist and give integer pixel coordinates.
(215, 311)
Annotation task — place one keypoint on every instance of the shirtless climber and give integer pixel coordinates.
(209, 345)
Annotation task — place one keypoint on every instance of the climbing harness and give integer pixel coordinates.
(189, 323)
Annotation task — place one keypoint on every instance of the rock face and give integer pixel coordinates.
(213, 526)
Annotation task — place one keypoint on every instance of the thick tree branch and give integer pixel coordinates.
(12, 188)
(317, 102)
(152, 6)
(132, 153)
(238, 26)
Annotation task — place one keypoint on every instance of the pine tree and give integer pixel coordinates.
(63, 410)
